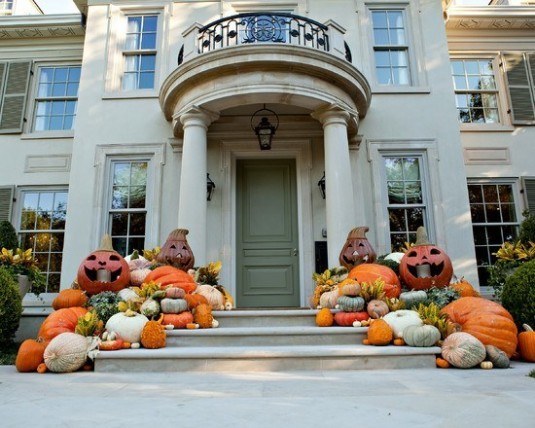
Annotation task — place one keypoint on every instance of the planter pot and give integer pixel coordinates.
(24, 285)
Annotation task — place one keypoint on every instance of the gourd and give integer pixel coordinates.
(214, 297)
(401, 319)
(486, 365)
(41, 368)
(350, 303)
(349, 287)
(377, 309)
(61, 321)
(30, 355)
(464, 288)
(413, 298)
(329, 298)
(526, 343)
(497, 357)
(127, 325)
(66, 353)
(442, 363)
(150, 308)
(462, 350)
(178, 320)
(488, 321)
(139, 268)
(346, 319)
(168, 276)
(370, 272)
(127, 295)
(194, 300)
(153, 335)
(324, 318)
(202, 315)
(399, 342)
(173, 306)
(69, 298)
(421, 335)
(174, 293)
(379, 333)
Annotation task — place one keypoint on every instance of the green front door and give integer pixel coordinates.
(266, 223)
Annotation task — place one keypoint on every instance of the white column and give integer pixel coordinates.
(192, 196)
(340, 204)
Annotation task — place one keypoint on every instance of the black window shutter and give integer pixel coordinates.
(520, 88)
(6, 202)
(15, 93)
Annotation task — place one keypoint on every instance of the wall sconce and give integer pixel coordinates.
(264, 130)
(321, 185)
(210, 186)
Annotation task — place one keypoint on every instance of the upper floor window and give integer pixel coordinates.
(57, 98)
(476, 93)
(6, 7)
(391, 47)
(140, 52)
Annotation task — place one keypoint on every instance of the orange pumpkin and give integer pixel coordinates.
(526, 343)
(346, 319)
(69, 298)
(370, 272)
(488, 321)
(61, 321)
(30, 355)
(177, 320)
(464, 288)
(168, 276)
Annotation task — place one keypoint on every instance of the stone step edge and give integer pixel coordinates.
(266, 313)
(249, 352)
(268, 331)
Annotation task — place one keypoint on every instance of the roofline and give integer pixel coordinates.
(14, 21)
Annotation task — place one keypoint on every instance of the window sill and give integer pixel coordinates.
(392, 90)
(47, 135)
(149, 93)
(476, 127)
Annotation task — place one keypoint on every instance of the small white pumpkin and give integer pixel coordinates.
(401, 319)
(127, 295)
(127, 325)
(150, 308)
(396, 257)
(66, 353)
(329, 298)
(215, 323)
(215, 298)
(173, 306)
(357, 324)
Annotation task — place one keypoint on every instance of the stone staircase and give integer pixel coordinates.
(266, 340)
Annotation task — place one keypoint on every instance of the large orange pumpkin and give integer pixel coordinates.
(61, 321)
(30, 355)
(370, 272)
(168, 276)
(69, 298)
(488, 321)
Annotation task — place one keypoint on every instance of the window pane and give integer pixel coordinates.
(134, 24)
(46, 201)
(494, 234)
(508, 213)
(136, 244)
(59, 90)
(132, 42)
(396, 193)
(379, 19)
(61, 74)
(56, 242)
(74, 74)
(146, 80)
(395, 19)
(401, 76)
(44, 90)
(475, 194)
(480, 238)
(120, 197)
(132, 63)
(382, 58)
(413, 192)
(72, 89)
(472, 67)
(482, 256)
(130, 81)
(56, 123)
(411, 169)
(397, 219)
(70, 107)
(119, 224)
(121, 174)
(149, 23)
(478, 213)
(394, 168)
(27, 221)
(58, 220)
(148, 41)
(505, 193)
(459, 82)
(31, 201)
(148, 62)
(415, 218)
(399, 58)
(397, 241)
(137, 224)
(491, 115)
(58, 108)
(384, 76)
(493, 213)
(490, 193)
(42, 244)
(381, 37)
(139, 174)
(119, 245)
(47, 75)
(55, 262)
(137, 197)
(53, 283)
(457, 67)
(397, 37)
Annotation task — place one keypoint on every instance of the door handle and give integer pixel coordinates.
(294, 252)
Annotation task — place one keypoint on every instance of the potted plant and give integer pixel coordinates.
(22, 265)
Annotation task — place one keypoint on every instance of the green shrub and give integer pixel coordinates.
(498, 273)
(518, 294)
(527, 228)
(10, 307)
(8, 236)
(388, 263)
(105, 305)
(532, 373)
(441, 296)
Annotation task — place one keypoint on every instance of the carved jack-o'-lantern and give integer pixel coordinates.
(425, 265)
(103, 270)
(357, 249)
(176, 251)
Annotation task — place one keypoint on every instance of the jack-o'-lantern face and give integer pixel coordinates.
(357, 249)
(103, 270)
(176, 251)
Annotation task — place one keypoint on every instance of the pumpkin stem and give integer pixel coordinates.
(527, 327)
(358, 232)
(421, 236)
(106, 244)
(178, 234)
(135, 255)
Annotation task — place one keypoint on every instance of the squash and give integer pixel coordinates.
(526, 343)
(346, 319)
(462, 350)
(413, 298)
(41, 368)
(127, 295)
(195, 300)
(173, 306)
(377, 308)
(66, 353)
(150, 308)
(380, 333)
(324, 318)
(349, 287)
(350, 303)
(214, 297)
(112, 345)
(178, 320)
(442, 363)
(202, 315)
(329, 298)
(488, 321)
(399, 342)
(401, 319)
(174, 293)
(370, 272)
(61, 321)
(69, 298)
(127, 325)
(497, 357)
(486, 365)
(153, 335)
(421, 335)
(30, 355)
(168, 276)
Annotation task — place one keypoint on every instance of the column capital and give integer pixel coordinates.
(332, 113)
(196, 116)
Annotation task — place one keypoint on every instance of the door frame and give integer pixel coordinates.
(301, 151)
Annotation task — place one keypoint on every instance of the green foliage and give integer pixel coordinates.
(388, 263)
(518, 294)
(8, 236)
(498, 273)
(10, 307)
(105, 305)
(8, 354)
(441, 296)
(532, 373)
(527, 228)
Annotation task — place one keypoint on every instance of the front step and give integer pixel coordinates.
(267, 336)
(267, 317)
(273, 358)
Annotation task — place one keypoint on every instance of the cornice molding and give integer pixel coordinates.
(40, 26)
(491, 18)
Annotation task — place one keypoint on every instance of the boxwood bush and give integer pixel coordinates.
(10, 307)
(518, 294)
(8, 236)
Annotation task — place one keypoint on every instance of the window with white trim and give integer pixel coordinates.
(127, 213)
(140, 52)
(6, 7)
(42, 228)
(406, 197)
(391, 47)
(494, 221)
(57, 98)
(476, 93)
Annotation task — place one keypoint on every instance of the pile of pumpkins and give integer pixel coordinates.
(473, 331)
(154, 296)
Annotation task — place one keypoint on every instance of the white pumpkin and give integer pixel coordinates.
(396, 257)
(127, 295)
(215, 298)
(66, 353)
(401, 319)
(150, 308)
(127, 325)
(329, 298)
